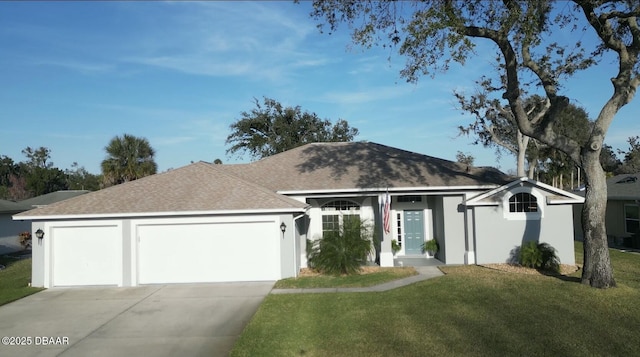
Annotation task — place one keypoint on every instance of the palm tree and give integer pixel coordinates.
(128, 158)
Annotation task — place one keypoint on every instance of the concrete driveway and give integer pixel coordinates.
(158, 320)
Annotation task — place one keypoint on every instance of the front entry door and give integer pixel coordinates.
(413, 232)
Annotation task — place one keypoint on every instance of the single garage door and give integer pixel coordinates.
(208, 252)
(89, 255)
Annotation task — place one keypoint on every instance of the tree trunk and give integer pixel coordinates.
(523, 142)
(532, 168)
(597, 271)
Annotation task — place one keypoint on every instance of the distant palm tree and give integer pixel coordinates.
(128, 158)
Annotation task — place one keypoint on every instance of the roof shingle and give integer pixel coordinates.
(624, 187)
(196, 187)
(358, 165)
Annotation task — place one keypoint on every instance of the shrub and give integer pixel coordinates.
(395, 246)
(342, 251)
(541, 256)
(430, 246)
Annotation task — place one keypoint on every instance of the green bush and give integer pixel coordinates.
(430, 246)
(541, 256)
(395, 246)
(342, 251)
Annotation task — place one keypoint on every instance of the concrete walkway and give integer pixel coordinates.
(424, 273)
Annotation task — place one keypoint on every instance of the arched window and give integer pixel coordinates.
(341, 205)
(335, 213)
(523, 202)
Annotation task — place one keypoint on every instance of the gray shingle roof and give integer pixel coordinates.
(252, 187)
(624, 187)
(12, 207)
(52, 197)
(196, 187)
(358, 165)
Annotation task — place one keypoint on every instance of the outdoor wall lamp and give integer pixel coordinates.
(283, 227)
(40, 234)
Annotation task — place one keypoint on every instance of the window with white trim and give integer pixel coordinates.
(399, 228)
(335, 213)
(523, 202)
(631, 219)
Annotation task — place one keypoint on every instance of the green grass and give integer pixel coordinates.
(471, 311)
(346, 281)
(14, 279)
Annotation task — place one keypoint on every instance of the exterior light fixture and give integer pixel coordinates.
(283, 227)
(40, 234)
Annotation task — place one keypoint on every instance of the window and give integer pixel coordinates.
(341, 206)
(631, 219)
(330, 223)
(523, 202)
(399, 228)
(410, 199)
(336, 213)
(628, 179)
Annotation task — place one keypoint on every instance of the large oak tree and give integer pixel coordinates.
(432, 34)
(270, 128)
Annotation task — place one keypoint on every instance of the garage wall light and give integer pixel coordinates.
(40, 233)
(283, 227)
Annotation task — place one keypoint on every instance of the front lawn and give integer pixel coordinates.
(367, 278)
(14, 279)
(470, 311)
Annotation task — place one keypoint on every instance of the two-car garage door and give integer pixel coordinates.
(165, 252)
(208, 252)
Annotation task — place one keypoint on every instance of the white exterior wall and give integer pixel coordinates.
(367, 215)
(400, 207)
(497, 235)
(452, 244)
(281, 246)
(43, 259)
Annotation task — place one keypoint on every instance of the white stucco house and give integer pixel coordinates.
(250, 222)
(622, 218)
(10, 229)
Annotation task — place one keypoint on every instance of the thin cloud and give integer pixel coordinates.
(78, 66)
(222, 39)
(373, 94)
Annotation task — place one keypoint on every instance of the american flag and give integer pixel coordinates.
(386, 215)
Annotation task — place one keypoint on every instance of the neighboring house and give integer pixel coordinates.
(49, 198)
(623, 209)
(10, 229)
(249, 222)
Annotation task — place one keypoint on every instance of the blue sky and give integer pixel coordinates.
(76, 74)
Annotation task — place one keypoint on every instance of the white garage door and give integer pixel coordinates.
(86, 255)
(208, 252)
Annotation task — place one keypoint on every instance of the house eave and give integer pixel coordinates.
(156, 214)
(378, 190)
(567, 197)
(554, 201)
